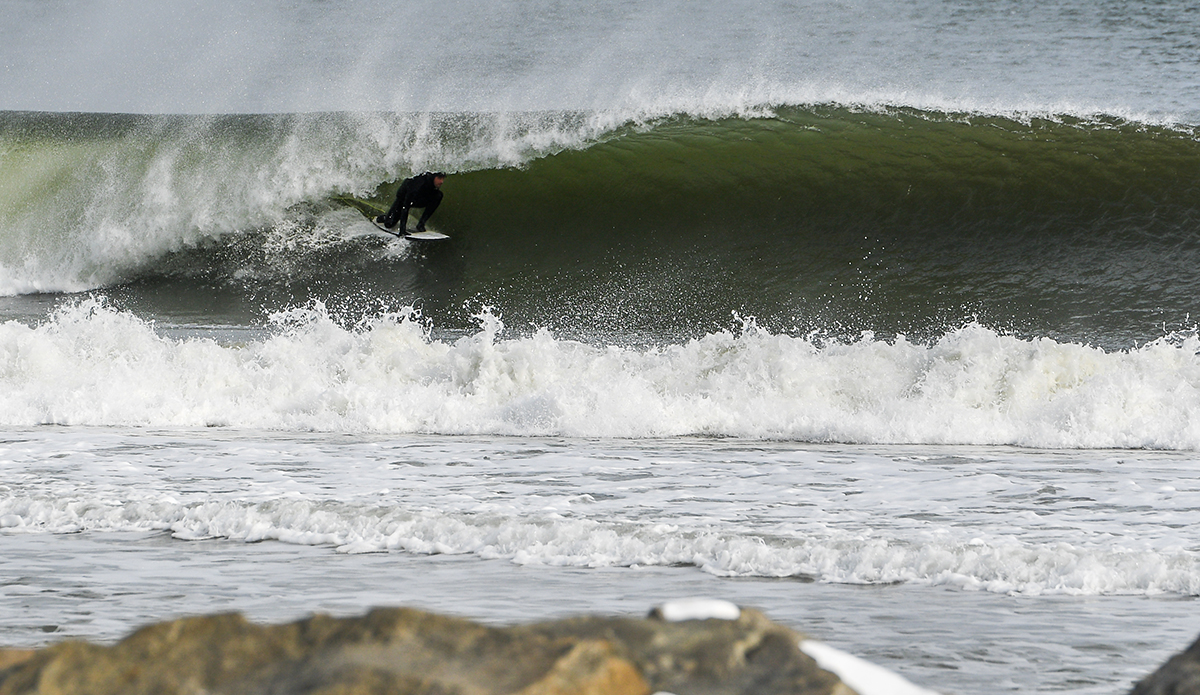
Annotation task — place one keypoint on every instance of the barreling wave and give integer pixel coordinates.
(885, 218)
(93, 200)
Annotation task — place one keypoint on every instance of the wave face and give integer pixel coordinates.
(93, 365)
(889, 220)
(827, 218)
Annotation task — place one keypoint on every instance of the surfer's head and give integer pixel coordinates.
(438, 178)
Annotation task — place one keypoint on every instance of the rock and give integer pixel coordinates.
(1179, 676)
(11, 657)
(404, 651)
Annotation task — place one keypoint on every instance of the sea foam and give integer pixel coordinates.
(91, 364)
(531, 533)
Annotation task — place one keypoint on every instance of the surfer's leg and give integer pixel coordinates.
(389, 219)
(435, 201)
(398, 212)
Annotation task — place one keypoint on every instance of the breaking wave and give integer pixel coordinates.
(93, 365)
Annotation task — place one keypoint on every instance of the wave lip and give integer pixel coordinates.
(94, 200)
(94, 365)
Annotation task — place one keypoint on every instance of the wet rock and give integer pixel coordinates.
(1179, 676)
(405, 651)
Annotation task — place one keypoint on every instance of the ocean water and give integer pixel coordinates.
(877, 316)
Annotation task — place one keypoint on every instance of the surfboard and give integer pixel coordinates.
(415, 236)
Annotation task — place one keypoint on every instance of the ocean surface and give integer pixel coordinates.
(877, 316)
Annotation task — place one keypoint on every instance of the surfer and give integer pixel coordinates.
(416, 192)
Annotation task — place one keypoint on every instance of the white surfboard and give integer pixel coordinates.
(426, 236)
(415, 236)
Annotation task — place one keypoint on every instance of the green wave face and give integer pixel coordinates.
(820, 218)
(833, 219)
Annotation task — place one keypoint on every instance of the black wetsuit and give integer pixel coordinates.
(417, 192)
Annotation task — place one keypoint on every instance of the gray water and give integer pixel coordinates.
(196, 57)
(95, 586)
(966, 569)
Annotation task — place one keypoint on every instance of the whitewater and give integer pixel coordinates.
(876, 316)
(92, 365)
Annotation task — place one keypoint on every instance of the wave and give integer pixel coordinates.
(94, 365)
(996, 548)
(1000, 566)
(892, 220)
(872, 165)
(883, 218)
(93, 200)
